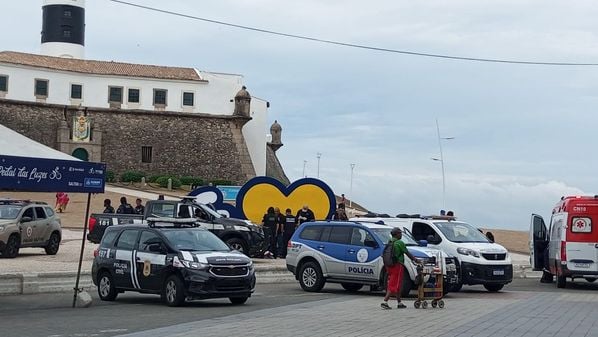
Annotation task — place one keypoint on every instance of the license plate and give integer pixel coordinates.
(582, 265)
(498, 272)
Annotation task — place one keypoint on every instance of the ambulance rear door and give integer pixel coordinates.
(582, 237)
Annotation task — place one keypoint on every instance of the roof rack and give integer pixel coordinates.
(7, 201)
(427, 217)
(158, 222)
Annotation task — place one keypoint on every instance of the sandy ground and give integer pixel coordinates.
(513, 241)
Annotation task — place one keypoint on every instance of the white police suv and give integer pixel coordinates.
(350, 253)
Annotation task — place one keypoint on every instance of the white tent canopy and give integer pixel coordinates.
(15, 144)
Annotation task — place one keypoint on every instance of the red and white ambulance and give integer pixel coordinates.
(568, 248)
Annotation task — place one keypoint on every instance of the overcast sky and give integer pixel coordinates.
(524, 135)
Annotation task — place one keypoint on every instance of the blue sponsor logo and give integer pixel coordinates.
(93, 182)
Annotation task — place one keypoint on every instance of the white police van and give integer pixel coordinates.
(478, 260)
(350, 253)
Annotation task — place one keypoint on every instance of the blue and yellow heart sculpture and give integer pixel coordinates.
(259, 193)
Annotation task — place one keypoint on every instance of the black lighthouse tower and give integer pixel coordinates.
(63, 28)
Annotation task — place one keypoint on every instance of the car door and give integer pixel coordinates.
(537, 242)
(360, 258)
(334, 248)
(124, 269)
(42, 226)
(150, 260)
(204, 219)
(27, 226)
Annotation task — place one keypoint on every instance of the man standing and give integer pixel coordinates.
(108, 206)
(304, 215)
(270, 226)
(288, 230)
(139, 208)
(395, 272)
(125, 207)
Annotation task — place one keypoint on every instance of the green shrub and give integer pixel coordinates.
(163, 181)
(217, 182)
(110, 177)
(191, 181)
(153, 179)
(132, 176)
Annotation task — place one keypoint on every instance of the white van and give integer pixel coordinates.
(479, 261)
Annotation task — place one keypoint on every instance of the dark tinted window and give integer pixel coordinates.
(146, 239)
(133, 95)
(29, 213)
(146, 154)
(127, 240)
(39, 212)
(341, 234)
(108, 238)
(159, 96)
(41, 87)
(115, 94)
(3, 83)
(311, 233)
(163, 210)
(360, 236)
(188, 99)
(76, 91)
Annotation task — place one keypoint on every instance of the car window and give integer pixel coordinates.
(49, 211)
(108, 238)
(163, 210)
(147, 238)
(127, 240)
(311, 233)
(39, 212)
(460, 232)
(359, 236)
(9, 211)
(340, 234)
(195, 240)
(29, 213)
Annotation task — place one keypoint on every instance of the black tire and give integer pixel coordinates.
(11, 250)
(352, 287)
(238, 244)
(561, 280)
(591, 279)
(455, 288)
(173, 291)
(547, 277)
(106, 289)
(310, 277)
(53, 244)
(407, 284)
(493, 288)
(238, 300)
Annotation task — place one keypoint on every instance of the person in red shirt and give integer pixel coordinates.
(396, 271)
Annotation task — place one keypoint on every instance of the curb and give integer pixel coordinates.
(54, 282)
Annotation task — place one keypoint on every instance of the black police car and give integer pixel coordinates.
(172, 258)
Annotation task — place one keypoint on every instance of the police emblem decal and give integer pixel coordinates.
(362, 255)
(147, 268)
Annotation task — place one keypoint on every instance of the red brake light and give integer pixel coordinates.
(563, 252)
(95, 252)
(92, 223)
(290, 244)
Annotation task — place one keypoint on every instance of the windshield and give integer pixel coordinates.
(195, 240)
(460, 232)
(9, 211)
(207, 209)
(384, 235)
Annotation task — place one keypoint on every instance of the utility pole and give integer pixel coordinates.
(319, 155)
(441, 160)
(304, 164)
(351, 187)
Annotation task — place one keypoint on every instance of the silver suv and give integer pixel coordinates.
(25, 223)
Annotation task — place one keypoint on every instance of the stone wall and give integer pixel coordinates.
(193, 144)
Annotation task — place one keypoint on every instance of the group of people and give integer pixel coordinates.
(125, 207)
(279, 228)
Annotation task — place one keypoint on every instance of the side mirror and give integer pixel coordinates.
(423, 243)
(26, 219)
(370, 243)
(156, 248)
(431, 239)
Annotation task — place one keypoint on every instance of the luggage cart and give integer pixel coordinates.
(430, 289)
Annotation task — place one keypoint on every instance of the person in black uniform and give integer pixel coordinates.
(304, 215)
(270, 223)
(290, 223)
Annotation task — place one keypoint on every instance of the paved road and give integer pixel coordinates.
(50, 315)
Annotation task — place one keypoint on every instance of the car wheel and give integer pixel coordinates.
(455, 288)
(310, 277)
(561, 280)
(352, 287)
(106, 289)
(11, 250)
(173, 292)
(53, 244)
(493, 287)
(238, 300)
(591, 279)
(546, 277)
(237, 244)
(407, 284)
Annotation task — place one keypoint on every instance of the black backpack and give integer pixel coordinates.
(388, 256)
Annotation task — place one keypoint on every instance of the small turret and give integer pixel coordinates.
(243, 103)
(276, 133)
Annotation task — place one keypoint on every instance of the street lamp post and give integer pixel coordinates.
(304, 164)
(441, 160)
(319, 155)
(351, 187)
